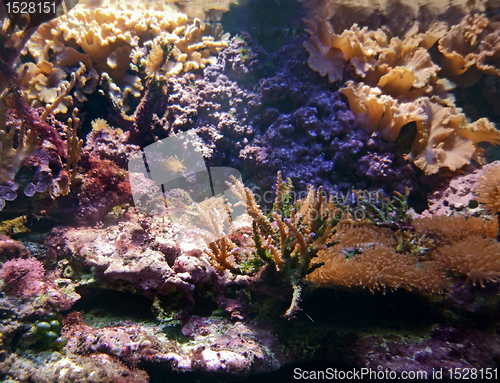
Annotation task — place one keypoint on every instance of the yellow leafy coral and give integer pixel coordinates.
(471, 47)
(376, 112)
(399, 81)
(446, 139)
(106, 38)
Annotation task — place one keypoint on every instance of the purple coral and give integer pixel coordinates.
(23, 277)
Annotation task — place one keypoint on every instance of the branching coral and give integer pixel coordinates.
(289, 239)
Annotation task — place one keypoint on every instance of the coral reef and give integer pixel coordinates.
(330, 263)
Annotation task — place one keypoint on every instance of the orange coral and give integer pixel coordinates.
(488, 189)
(446, 139)
(457, 228)
(476, 257)
(380, 113)
(377, 267)
(365, 256)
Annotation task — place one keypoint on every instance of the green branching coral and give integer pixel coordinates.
(388, 212)
(289, 238)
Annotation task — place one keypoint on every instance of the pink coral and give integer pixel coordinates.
(23, 277)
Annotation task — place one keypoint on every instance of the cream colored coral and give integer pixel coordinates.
(329, 51)
(473, 44)
(476, 257)
(406, 65)
(376, 112)
(109, 37)
(43, 84)
(446, 139)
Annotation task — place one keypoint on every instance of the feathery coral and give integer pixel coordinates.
(488, 189)
(476, 257)
(364, 256)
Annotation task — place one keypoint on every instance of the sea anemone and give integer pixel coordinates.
(488, 189)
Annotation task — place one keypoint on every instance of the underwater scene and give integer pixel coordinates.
(249, 190)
